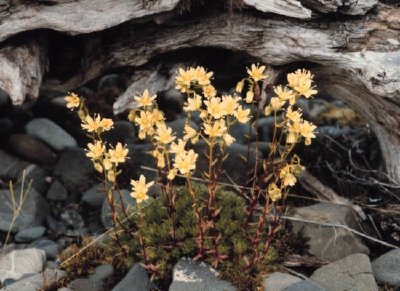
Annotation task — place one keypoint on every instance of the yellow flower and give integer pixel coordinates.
(242, 115)
(111, 176)
(118, 155)
(307, 131)
(256, 72)
(164, 134)
(185, 162)
(132, 115)
(145, 122)
(160, 158)
(294, 116)
(285, 174)
(157, 116)
(96, 150)
(301, 81)
(72, 100)
(274, 192)
(92, 125)
(209, 91)
(140, 189)
(217, 129)
(215, 107)
(293, 132)
(177, 148)
(202, 76)
(190, 133)
(228, 139)
(193, 104)
(106, 123)
(239, 86)
(172, 174)
(276, 103)
(146, 99)
(184, 79)
(230, 104)
(107, 164)
(285, 94)
(98, 167)
(249, 96)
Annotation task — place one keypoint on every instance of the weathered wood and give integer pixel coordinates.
(21, 69)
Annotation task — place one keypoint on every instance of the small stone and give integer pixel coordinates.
(21, 262)
(33, 211)
(190, 275)
(51, 133)
(57, 192)
(50, 248)
(241, 133)
(278, 281)
(305, 285)
(37, 175)
(135, 280)
(94, 196)
(30, 234)
(329, 242)
(354, 272)
(52, 265)
(11, 166)
(74, 170)
(102, 273)
(37, 281)
(32, 149)
(387, 267)
(85, 285)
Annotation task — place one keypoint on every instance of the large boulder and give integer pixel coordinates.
(278, 281)
(387, 267)
(326, 241)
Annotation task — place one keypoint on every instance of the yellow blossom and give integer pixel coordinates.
(274, 192)
(239, 86)
(106, 123)
(217, 129)
(242, 115)
(145, 99)
(164, 134)
(107, 164)
(185, 162)
(301, 81)
(140, 189)
(293, 132)
(157, 116)
(215, 108)
(276, 103)
(285, 174)
(90, 124)
(294, 116)
(145, 122)
(307, 131)
(193, 104)
(190, 133)
(111, 176)
(179, 147)
(285, 94)
(202, 76)
(98, 167)
(228, 139)
(96, 150)
(249, 96)
(256, 72)
(209, 91)
(72, 100)
(184, 79)
(118, 155)
(172, 174)
(160, 158)
(230, 104)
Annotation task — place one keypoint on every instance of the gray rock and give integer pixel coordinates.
(135, 280)
(75, 170)
(49, 132)
(37, 282)
(387, 267)
(305, 285)
(140, 156)
(351, 273)
(329, 242)
(52, 265)
(64, 289)
(11, 166)
(50, 248)
(37, 176)
(33, 211)
(241, 133)
(18, 263)
(32, 149)
(30, 234)
(85, 285)
(234, 165)
(123, 131)
(190, 275)
(94, 196)
(278, 281)
(127, 203)
(102, 273)
(57, 192)
(178, 126)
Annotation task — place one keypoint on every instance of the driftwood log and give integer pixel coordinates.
(352, 46)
